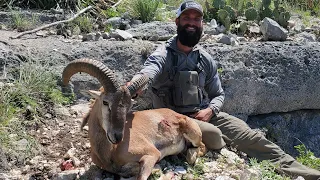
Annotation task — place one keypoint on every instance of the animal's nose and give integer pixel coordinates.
(115, 137)
(118, 136)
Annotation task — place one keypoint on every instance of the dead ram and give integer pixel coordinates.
(130, 143)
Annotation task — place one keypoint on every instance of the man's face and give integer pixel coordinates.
(190, 27)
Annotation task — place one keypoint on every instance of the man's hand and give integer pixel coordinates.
(203, 115)
(138, 93)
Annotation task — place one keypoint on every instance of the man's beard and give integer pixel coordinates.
(189, 38)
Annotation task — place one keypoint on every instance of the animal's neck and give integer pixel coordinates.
(99, 128)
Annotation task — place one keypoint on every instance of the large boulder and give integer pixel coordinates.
(265, 77)
(271, 30)
(290, 129)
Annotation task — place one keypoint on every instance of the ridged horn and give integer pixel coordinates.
(137, 84)
(94, 68)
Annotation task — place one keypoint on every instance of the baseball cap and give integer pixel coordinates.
(189, 5)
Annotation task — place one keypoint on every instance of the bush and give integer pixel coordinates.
(267, 169)
(85, 23)
(145, 9)
(25, 101)
(22, 23)
(307, 158)
(33, 83)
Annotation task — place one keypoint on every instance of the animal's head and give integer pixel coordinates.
(114, 101)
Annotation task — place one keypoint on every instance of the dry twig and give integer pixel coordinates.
(59, 22)
(52, 24)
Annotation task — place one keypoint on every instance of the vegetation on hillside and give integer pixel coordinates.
(233, 14)
(29, 94)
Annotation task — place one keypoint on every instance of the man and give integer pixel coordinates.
(184, 78)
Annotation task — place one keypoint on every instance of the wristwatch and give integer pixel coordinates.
(215, 110)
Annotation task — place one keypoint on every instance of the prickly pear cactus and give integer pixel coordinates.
(266, 3)
(249, 5)
(219, 4)
(276, 12)
(232, 13)
(224, 18)
(251, 14)
(227, 23)
(222, 14)
(266, 12)
(284, 18)
(244, 26)
(276, 4)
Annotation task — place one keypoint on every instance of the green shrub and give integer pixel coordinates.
(111, 12)
(22, 23)
(306, 157)
(145, 9)
(33, 83)
(267, 169)
(85, 23)
(24, 103)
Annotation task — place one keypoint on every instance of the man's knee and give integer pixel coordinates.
(213, 140)
(212, 137)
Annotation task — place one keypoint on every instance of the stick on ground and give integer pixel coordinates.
(52, 24)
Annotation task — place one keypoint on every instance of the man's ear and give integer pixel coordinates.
(177, 21)
(94, 94)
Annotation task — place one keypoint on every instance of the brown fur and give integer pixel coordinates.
(149, 136)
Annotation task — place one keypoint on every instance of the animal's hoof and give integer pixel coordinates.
(192, 155)
(202, 150)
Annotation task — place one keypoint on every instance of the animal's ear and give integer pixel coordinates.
(94, 94)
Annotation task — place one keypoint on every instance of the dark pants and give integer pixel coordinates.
(226, 129)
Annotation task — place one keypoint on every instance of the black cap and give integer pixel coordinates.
(189, 5)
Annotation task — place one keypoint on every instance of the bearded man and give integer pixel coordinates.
(184, 77)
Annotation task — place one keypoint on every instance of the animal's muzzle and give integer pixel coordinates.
(115, 137)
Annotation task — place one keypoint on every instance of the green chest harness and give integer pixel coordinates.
(185, 95)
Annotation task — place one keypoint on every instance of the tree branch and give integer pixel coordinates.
(117, 3)
(52, 24)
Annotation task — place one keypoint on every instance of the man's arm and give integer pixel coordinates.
(215, 92)
(153, 66)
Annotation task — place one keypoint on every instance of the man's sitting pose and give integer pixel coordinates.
(184, 77)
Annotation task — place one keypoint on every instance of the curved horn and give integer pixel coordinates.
(94, 68)
(137, 84)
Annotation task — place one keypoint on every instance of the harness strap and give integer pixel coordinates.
(174, 68)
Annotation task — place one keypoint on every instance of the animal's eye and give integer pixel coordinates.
(105, 103)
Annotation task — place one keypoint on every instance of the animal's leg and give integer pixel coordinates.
(147, 163)
(192, 132)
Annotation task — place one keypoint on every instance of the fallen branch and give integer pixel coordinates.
(117, 3)
(52, 24)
